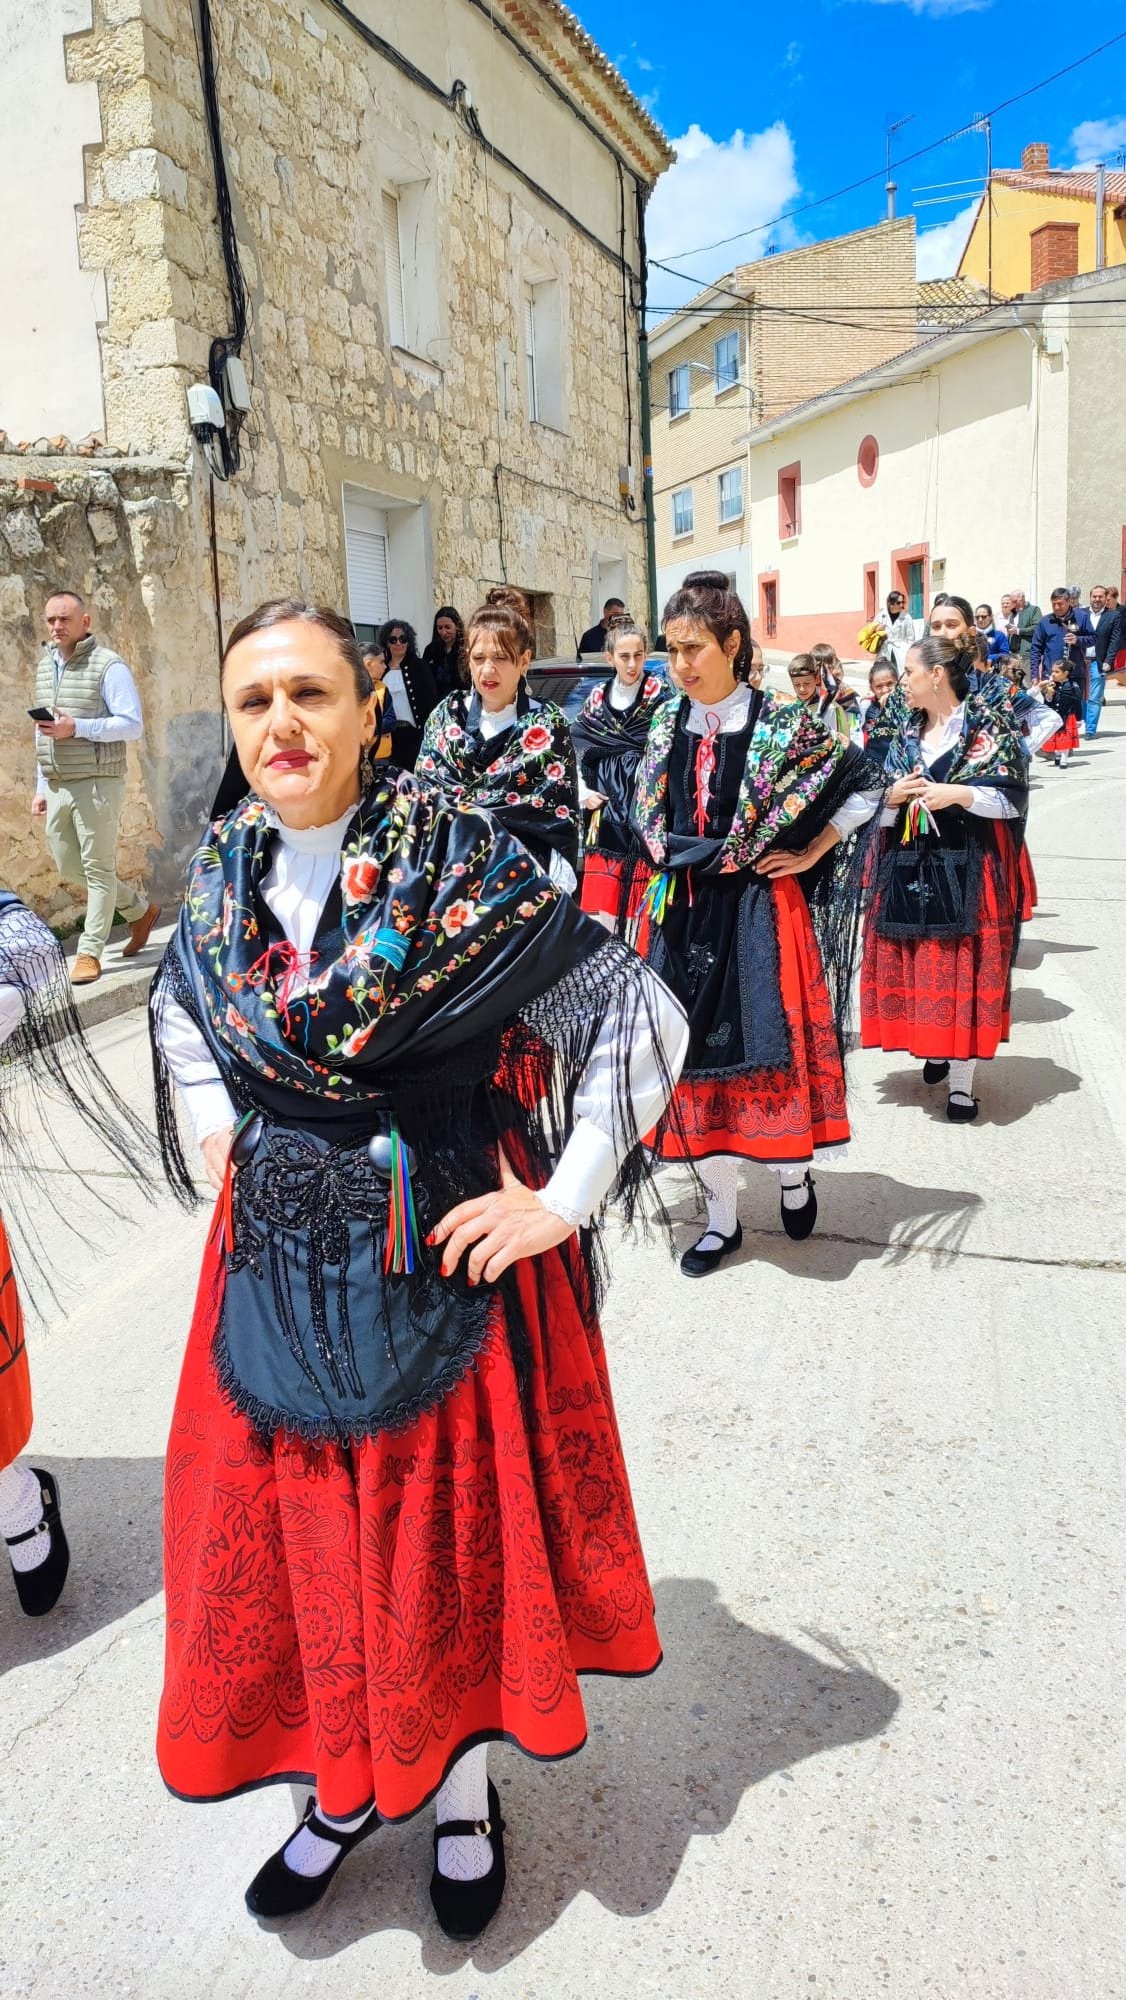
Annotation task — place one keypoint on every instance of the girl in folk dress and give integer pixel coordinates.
(492, 746)
(953, 621)
(944, 922)
(397, 1521)
(609, 735)
(737, 796)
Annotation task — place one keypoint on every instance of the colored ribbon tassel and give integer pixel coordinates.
(594, 826)
(225, 1207)
(705, 773)
(918, 821)
(658, 896)
(401, 1252)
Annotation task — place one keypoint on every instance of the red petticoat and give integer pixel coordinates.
(15, 1381)
(1065, 738)
(781, 1114)
(601, 892)
(945, 998)
(1029, 892)
(357, 1617)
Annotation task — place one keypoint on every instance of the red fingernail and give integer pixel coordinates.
(473, 1281)
(432, 1238)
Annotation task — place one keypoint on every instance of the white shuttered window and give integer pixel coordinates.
(393, 258)
(365, 542)
(530, 356)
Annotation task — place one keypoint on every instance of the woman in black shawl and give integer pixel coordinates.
(737, 795)
(445, 654)
(398, 1524)
(944, 924)
(493, 746)
(609, 735)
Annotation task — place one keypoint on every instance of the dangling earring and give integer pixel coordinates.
(367, 769)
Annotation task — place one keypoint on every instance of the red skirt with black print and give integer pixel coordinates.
(783, 1115)
(945, 998)
(15, 1381)
(1065, 738)
(356, 1617)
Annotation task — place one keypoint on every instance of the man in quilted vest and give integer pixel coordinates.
(81, 786)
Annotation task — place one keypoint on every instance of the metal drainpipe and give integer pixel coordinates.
(646, 421)
(1100, 217)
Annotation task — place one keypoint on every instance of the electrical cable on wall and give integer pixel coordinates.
(227, 376)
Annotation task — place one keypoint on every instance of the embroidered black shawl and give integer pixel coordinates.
(608, 745)
(526, 776)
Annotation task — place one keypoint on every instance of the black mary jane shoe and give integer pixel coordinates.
(963, 1112)
(935, 1072)
(464, 1908)
(799, 1223)
(696, 1263)
(279, 1891)
(39, 1589)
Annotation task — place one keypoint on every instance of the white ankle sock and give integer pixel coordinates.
(308, 1854)
(720, 1176)
(465, 1857)
(21, 1508)
(1063, 758)
(961, 1083)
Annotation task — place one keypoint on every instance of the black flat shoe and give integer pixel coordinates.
(696, 1263)
(464, 1908)
(935, 1072)
(799, 1223)
(279, 1891)
(963, 1113)
(39, 1589)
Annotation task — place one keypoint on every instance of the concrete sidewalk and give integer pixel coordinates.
(125, 982)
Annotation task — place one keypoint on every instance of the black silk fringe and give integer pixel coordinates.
(47, 1064)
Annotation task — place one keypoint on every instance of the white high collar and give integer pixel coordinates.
(732, 711)
(327, 839)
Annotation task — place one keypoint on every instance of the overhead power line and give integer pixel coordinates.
(761, 228)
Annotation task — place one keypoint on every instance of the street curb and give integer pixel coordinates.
(124, 984)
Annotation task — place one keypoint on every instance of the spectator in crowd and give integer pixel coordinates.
(756, 672)
(1026, 617)
(1101, 621)
(1110, 639)
(901, 629)
(385, 717)
(410, 684)
(594, 638)
(1058, 636)
(998, 642)
(445, 655)
(92, 709)
(817, 681)
(1008, 615)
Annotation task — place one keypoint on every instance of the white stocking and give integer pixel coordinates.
(720, 1176)
(308, 1854)
(21, 1508)
(794, 1191)
(962, 1081)
(465, 1857)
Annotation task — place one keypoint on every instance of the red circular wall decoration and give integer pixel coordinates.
(867, 461)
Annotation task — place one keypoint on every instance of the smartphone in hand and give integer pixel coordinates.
(42, 714)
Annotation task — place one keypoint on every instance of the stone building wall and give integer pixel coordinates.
(316, 121)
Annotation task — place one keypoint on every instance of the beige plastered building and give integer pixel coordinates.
(767, 336)
(437, 208)
(977, 463)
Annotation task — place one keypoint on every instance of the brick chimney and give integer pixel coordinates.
(1034, 159)
(1055, 252)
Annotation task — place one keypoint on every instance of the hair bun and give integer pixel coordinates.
(506, 597)
(707, 579)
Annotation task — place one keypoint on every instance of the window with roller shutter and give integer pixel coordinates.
(365, 545)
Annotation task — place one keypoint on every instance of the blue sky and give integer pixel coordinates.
(773, 107)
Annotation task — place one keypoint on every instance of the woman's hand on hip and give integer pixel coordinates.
(497, 1230)
(215, 1149)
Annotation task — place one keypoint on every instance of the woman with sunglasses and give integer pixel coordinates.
(410, 683)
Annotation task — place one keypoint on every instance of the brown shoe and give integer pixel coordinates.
(139, 932)
(85, 970)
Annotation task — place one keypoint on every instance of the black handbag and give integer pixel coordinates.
(929, 889)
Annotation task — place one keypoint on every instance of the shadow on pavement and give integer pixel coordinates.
(668, 1759)
(1033, 951)
(1009, 1088)
(1031, 1004)
(111, 1510)
(862, 1219)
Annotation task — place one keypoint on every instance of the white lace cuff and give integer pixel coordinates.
(556, 1207)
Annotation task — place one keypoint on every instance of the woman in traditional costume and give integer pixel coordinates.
(737, 795)
(1021, 714)
(609, 735)
(398, 1524)
(944, 921)
(42, 1049)
(493, 746)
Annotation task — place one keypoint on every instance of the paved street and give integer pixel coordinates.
(879, 1478)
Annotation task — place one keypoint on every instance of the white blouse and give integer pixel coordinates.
(305, 867)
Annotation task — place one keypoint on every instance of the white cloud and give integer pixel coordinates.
(936, 8)
(717, 188)
(938, 251)
(1097, 139)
